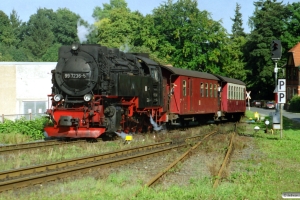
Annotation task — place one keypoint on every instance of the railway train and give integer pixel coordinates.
(99, 90)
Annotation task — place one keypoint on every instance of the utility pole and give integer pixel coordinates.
(276, 55)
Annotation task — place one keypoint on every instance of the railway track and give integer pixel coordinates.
(187, 153)
(32, 145)
(181, 158)
(13, 179)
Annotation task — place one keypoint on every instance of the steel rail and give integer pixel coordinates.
(32, 145)
(224, 163)
(72, 162)
(181, 158)
(69, 165)
(51, 176)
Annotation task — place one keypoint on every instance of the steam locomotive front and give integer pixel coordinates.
(76, 72)
(76, 111)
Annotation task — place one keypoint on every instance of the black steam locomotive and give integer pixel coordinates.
(97, 89)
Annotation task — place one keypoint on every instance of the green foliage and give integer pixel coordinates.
(237, 27)
(188, 37)
(291, 36)
(11, 53)
(36, 39)
(295, 104)
(268, 23)
(117, 26)
(234, 63)
(51, 54)
(65, 27)
(100, 13)
(33, 128)
(39, 36)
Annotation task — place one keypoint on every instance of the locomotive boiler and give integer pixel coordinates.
(100, 90)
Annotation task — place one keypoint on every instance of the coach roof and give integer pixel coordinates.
(185, 72)
(230, 80)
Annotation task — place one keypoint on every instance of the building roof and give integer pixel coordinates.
(296, 54)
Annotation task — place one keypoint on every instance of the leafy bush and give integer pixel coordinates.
(295, 104)
(32, 128)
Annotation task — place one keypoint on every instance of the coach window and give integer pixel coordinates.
(184, 88)
(215, 90)
(211, 89)
(206, 89)
(202, 90)
(242, 93)
(235, 92)
(230, 90)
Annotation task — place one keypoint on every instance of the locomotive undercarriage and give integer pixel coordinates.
(102, 115)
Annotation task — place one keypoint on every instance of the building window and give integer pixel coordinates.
(36, 108)
(295, 92)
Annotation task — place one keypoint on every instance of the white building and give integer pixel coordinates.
(24, 87)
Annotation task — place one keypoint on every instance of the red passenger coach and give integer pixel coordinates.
(193, 95)
(200, 96)
(232, 94)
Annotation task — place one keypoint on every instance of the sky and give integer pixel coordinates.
(219, 9)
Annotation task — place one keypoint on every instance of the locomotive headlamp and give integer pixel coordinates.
(88, 97)
(75, 46)
(57, 97)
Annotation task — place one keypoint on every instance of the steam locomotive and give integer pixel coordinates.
(98, 90)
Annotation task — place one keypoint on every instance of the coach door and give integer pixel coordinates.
(184, 99)
(190, 95)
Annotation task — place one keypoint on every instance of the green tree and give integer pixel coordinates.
(291, 35)
(237, 27)
(51, 54)
(267, 24)
(6, 30)
(65, 27)
(105, 12)
(17, 26)
(234, 65)
(188, 37)
(117, 26)
(39, 36)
